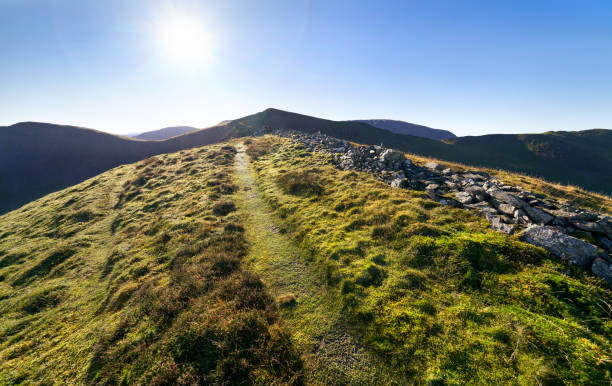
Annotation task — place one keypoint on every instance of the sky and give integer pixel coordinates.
(472, 67)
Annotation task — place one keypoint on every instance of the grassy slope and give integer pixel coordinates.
(435, 292)
(136, 276)
(39, 158)
(332, 354)
(145, 274)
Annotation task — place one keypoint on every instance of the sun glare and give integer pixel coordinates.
(184, 41)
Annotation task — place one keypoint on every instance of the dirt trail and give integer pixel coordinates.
(332, 356)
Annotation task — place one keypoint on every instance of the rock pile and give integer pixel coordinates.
(544, 222)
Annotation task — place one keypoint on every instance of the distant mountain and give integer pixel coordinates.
(401, 127)
(165, 133)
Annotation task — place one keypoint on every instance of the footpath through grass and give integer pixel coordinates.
(431, 289)
(312, 313)
(137, 277)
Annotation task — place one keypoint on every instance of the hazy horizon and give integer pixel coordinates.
(135, 66)
(135, 133)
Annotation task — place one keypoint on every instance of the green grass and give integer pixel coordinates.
(137, 276)
(209, 267)
(332, 353)
(436, 293)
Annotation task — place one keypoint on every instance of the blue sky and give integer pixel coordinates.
(473, 67)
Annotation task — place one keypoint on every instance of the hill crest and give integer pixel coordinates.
(401, 127)
(164, 133)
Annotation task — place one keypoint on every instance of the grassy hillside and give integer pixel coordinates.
(431, 289)
(39, 158)
(273, 267)
(136, 276)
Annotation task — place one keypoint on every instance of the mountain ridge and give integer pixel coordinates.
(402, 127)
(38, 158)
(164, 133)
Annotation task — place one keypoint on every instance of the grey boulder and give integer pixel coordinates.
(498, 225)
(391, 156)
(464, 197)
(538, 215)
(433, 166)
(568, 248)
(602, 269)
(506, 197)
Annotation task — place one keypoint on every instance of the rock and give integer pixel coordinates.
(606, 242)
(464, 197)
(506, 209)
(588, 226)
(569, 248)
(433, 166)
(498, 225)
(432, 186)
(472, 176)
(537, 215)
(448, 202)
(397, 183)
(567, 215)
(447, 172)
(482, 207)
(506, 197)
(391, 156)
(602, 269)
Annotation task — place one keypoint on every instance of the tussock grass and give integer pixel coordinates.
(136, 277)
(438, 295)
(300, 183)
(261, 146)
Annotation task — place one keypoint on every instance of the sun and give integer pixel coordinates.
(184, 40)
